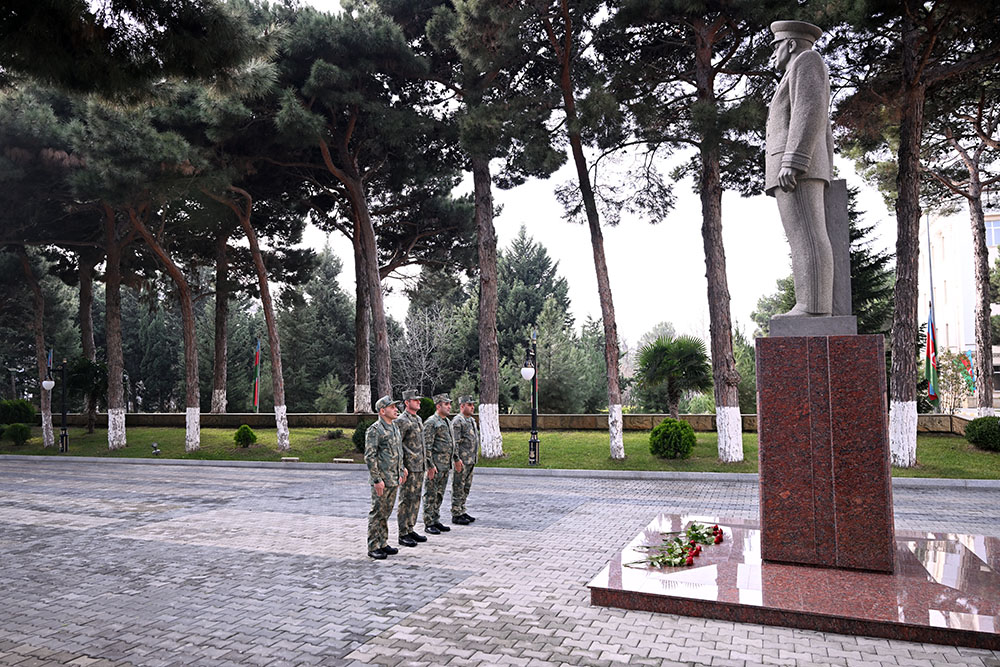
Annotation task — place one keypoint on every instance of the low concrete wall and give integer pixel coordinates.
(519, 422)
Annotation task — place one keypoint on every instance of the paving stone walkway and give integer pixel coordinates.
(115, 564)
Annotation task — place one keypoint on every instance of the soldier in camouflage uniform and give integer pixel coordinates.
(411, 430)
(466, 434)
(440, 457)
(384, 456)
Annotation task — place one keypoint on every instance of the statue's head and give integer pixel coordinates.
(790, 39)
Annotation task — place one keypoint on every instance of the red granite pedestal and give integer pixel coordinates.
(945, 588)
(825, 480)
(825, 555)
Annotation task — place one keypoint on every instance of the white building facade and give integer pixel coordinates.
(951, 262)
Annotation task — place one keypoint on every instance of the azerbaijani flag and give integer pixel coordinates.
(256, 380)
(930, 363)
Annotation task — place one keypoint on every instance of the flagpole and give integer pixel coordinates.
(931, 357)
(256, 381)
(930, 269)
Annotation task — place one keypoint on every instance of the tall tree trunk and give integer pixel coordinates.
(564, 56)
(903, 380)
(87, 261)
(362, 329)
(221, 323)
(38, 328)
(113, 326)
(489, 350)
(984, 349)
(274, 343)
(364, 232)
(369, 249)
(601, 269)
(729, 422)
(192, 398)
(277, 375)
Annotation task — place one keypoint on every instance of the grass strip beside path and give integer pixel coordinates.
(946, 456)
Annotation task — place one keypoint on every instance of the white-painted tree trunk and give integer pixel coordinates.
(48, 437)
(489, 430)
(615, 424)
(985, 412)
(116, 428)
(281, 422)
(903, 433)
(362, 398)
(729, 427)
(219, 401)
(192, 430)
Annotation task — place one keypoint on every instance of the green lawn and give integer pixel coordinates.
(309, 444)
(937, 455)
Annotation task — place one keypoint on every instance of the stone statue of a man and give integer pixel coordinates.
(799, 162)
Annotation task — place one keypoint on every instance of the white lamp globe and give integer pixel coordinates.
(47, 385)
(527, 372)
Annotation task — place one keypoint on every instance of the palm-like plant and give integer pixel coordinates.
(681, 364)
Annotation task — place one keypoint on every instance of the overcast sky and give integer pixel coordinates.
(657, 272)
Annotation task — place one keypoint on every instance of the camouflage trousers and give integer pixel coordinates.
(378, 518)
(461, 482)
(409, 502)
(433, 495)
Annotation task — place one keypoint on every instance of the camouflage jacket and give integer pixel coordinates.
(384, 453)
(412, 432)
(440, 443)
(466, 434)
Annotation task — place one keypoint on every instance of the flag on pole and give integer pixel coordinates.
(48, 363)
(256, 380)
(930, 363)
(968, 371)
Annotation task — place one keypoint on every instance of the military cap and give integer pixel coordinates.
(411, 394)
(795, 30)
(466, 399)
(383, 402)
(442, 398)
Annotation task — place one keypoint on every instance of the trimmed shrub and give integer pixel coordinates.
(672, 439)
(427, 408)
(984, 432)
(244, 436)
(18, 433)
(358, 438)
(17, 411)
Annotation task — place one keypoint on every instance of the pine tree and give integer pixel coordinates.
(896, 54)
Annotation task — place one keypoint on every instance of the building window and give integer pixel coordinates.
(992, 232)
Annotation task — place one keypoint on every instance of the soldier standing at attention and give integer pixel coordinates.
(440, 456)
(415, 460)
(466, 434)
(384, 456)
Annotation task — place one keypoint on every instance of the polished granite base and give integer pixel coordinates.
(825, 480)
(945, 588)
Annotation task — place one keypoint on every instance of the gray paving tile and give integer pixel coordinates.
(107, 563)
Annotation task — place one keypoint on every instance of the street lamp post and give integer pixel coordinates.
(48, 384)
(63, 433)
(530, 372)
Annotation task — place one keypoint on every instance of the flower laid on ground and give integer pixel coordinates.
(679, 548)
